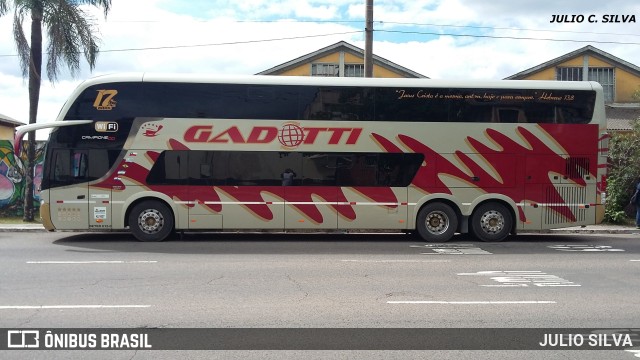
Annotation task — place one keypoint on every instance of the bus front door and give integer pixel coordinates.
(69, 194)
(100, 200)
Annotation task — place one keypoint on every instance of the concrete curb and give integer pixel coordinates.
(595, 229)
(22, 228)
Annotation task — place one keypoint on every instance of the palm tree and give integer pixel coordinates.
(70, 33)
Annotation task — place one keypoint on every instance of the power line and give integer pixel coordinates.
(277, 21)
(509, 37)
(233, 42)
(359, 32)
(223, 43)
(382, 22)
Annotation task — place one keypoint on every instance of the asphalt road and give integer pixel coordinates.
(87, 280)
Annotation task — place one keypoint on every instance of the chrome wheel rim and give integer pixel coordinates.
(150, 221)
(437, 222)
(492, 222)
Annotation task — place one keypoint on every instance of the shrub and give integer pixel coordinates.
(624, 169)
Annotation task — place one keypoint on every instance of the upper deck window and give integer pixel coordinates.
(124, 102)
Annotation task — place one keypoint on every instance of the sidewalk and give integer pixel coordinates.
(591, 229)
(596, 229)
(25, 227)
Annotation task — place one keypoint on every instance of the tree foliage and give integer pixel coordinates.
(70, 34)
(624, 169)
(636, 94)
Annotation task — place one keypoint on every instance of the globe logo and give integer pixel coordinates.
(291, 135)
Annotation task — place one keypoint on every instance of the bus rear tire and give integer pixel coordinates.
(151, 220)
(437, 222)
(491, 222)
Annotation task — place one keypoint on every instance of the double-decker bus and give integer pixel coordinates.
(159, 154)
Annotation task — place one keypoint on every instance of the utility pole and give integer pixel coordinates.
(368, 41)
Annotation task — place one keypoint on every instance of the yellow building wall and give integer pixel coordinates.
(305, 69)
(352, 59)
(626, 83)
(6, 133)
(381, 72)
(302, 70)
(331, 58)
(546, 74)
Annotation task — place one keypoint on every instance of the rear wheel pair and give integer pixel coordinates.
(438, 222)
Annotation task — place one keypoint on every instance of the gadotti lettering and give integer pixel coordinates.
(289, 135)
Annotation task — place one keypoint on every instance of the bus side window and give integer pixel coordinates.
(567, 115)
(481, 114)
(69, 167)
(203, 169)
(540, 113)
(99, 164)
(318, 170)
(80, 165)
(510, 115)
(175, 164)
(170, 168)
(62, 166)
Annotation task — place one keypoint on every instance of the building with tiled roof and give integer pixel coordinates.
(7, 126)
(340, 60)
(620, 79)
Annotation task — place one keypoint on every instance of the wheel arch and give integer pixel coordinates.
(447, 199)
(149, 196)
(498, 199)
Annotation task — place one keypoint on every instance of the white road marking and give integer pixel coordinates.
(472, 302)
(634, 260)
(29, 307)
(93, 262)
(585, 248)
(636, 353)
(452, 249)
(522, 278)
(396, 261)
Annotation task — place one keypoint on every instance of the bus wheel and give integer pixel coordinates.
(437, 222)
(151, 221)
(491, 222)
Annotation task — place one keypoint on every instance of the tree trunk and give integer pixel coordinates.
(35, 71)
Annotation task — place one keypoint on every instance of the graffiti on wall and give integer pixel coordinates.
(13, 179)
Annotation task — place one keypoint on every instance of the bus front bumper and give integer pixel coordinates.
(45, 215)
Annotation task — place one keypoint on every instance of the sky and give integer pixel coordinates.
(441, 39)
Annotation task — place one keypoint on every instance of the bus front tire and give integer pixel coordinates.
(437, 222)
(151, 221)
(491, 222)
